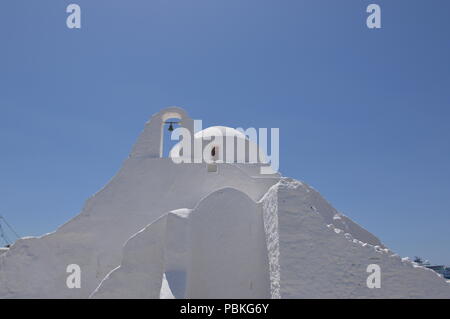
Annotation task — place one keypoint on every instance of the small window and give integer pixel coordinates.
(211, 168)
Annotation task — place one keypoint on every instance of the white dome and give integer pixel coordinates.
(214, 141)
(224, 130)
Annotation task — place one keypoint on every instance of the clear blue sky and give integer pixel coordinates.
(363, 114)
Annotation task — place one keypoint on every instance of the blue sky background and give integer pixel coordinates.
(363, 114)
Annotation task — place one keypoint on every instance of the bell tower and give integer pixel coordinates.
(150, 142)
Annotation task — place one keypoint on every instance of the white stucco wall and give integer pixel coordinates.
(312, 260)
(228, 256)
(3, 250)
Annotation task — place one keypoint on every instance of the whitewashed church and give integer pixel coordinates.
(211, 227)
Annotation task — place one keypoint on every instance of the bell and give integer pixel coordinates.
(170, 127)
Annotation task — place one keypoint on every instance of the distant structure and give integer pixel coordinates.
(441, 270)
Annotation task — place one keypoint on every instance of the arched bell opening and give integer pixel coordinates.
(168, 126)
(151, 142)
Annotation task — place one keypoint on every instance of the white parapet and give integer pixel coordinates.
(3, 250)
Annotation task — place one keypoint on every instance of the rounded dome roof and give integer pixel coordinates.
(220, 132)
(224, 131)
